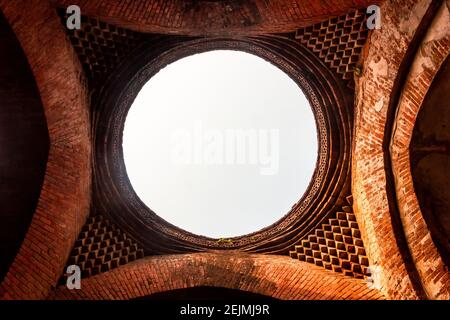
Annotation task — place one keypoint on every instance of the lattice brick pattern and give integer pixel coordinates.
(338, 42)
(101, 46)
(336, 246)
(100, 247)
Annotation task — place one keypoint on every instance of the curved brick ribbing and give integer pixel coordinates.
(228, 17)
(375, 89)
(434, 50)
(65, 196)
(275, 276)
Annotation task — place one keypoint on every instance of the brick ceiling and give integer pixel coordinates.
(227, 17)
(326, 237)
(103, 233)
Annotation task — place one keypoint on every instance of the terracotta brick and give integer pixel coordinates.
(65, 197)
(387, 49)
(131, 280)
(216, 17)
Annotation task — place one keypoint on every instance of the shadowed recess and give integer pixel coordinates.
(24, 146)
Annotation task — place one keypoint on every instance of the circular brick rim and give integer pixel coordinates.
(114, 191)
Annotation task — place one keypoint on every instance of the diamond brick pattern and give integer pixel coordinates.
(338, 42)
(336, 246)
(101, 46)
(101, 247)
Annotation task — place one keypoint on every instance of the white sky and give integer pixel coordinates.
(199, 98)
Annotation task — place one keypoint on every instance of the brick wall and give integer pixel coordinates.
(276, 276)
(434, 49)
(384, 54)
(229, 17)
(64, 200)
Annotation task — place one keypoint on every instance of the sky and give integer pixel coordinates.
(220, 144)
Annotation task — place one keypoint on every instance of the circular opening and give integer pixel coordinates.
(220, 144)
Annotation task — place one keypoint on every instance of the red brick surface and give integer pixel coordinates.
(64, 201)
(227, 17)
(276, 276)
(434, 50)
(384, 56)
(65, 196)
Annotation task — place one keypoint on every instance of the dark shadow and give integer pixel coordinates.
(24, 145)
(430, 160)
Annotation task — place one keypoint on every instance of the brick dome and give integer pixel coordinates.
(373, 223)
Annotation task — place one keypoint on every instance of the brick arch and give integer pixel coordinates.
(227, 17)
(387, 59)
(275, 276)
(65, 195)
(435, 49)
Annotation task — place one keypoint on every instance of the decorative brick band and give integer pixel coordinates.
(331, 177)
